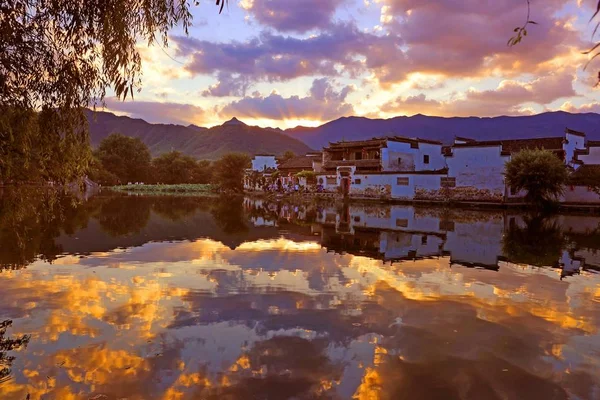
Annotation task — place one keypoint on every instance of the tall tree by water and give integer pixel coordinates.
(59, 57)
(125, 157)
(175, 167)
(538, 172)
(229, 172)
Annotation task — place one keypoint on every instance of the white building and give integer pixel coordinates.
(262, 162)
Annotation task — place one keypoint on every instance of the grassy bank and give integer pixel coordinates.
(165, 189)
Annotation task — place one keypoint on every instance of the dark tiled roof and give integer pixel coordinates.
(264, 155)
(379, 142)
(413, 140)
(442, 171)
(573, 132)
(302, 162)
(516, 145)
(358, 143)
(464, 139)
(585, 175)
(593, 143)
(348, 163)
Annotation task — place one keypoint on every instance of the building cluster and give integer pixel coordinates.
(403, 168)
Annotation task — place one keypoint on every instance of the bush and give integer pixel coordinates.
(229, 172)
(539, 172)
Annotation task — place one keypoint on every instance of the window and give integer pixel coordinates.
(357, 219)
(401, 223)
(446, 225)
(358, 155)
(447, 182)
(426, 159)
(400, 163)
(331, 181)
(402, 181)
(320, 181)
(357, 181)
(424, 239)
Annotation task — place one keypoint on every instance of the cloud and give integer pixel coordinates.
(323, 102)
(292, 15)
(158, 112)
(469, 38)
(593, 107)
(228, 85)
(507, 99)
(341, 48)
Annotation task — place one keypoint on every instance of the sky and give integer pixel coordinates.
(283, 63)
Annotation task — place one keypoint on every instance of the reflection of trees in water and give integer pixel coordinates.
(124, 215)
(178, 208)
(8, 344)
(31, 219)
(540, 242)
(228, 212)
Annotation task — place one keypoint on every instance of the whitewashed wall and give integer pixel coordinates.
(376, 185)
(260, 163)
(411, 159)
(480, 167)
(592, 158)
(579, 194)
(572, 143)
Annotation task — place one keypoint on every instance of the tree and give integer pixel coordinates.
(539, 172)
(34, 148)
(204, 173)
(229, 172)
(287, 156)
(174, 167)
(125, 157)
(58, 58)
(539, 242)
(9, 344)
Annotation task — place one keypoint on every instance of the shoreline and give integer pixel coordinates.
(477, 205)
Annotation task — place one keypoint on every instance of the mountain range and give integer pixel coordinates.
(445, 129)
(234, 135)
(195, 141)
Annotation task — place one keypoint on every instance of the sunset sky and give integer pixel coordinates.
(283, 63)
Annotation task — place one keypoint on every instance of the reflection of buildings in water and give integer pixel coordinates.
(474, 239)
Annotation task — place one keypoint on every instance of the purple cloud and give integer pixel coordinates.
(292, 15)
(507, 99)
(273, 57)
(323, 103)
(469, 38)
(158, 112)
(228, 85)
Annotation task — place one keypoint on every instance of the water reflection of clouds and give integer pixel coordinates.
(197, 319)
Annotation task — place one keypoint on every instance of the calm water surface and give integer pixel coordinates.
(127, 297)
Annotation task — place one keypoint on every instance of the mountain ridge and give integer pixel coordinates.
(192, 140)
(551, 123)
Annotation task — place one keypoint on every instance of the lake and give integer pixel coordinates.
(133, 297)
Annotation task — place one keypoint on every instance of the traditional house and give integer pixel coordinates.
(476, 168)
(381, 166)
(289, 169)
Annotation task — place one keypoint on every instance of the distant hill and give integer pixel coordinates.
(444, 129)
(198, 142)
